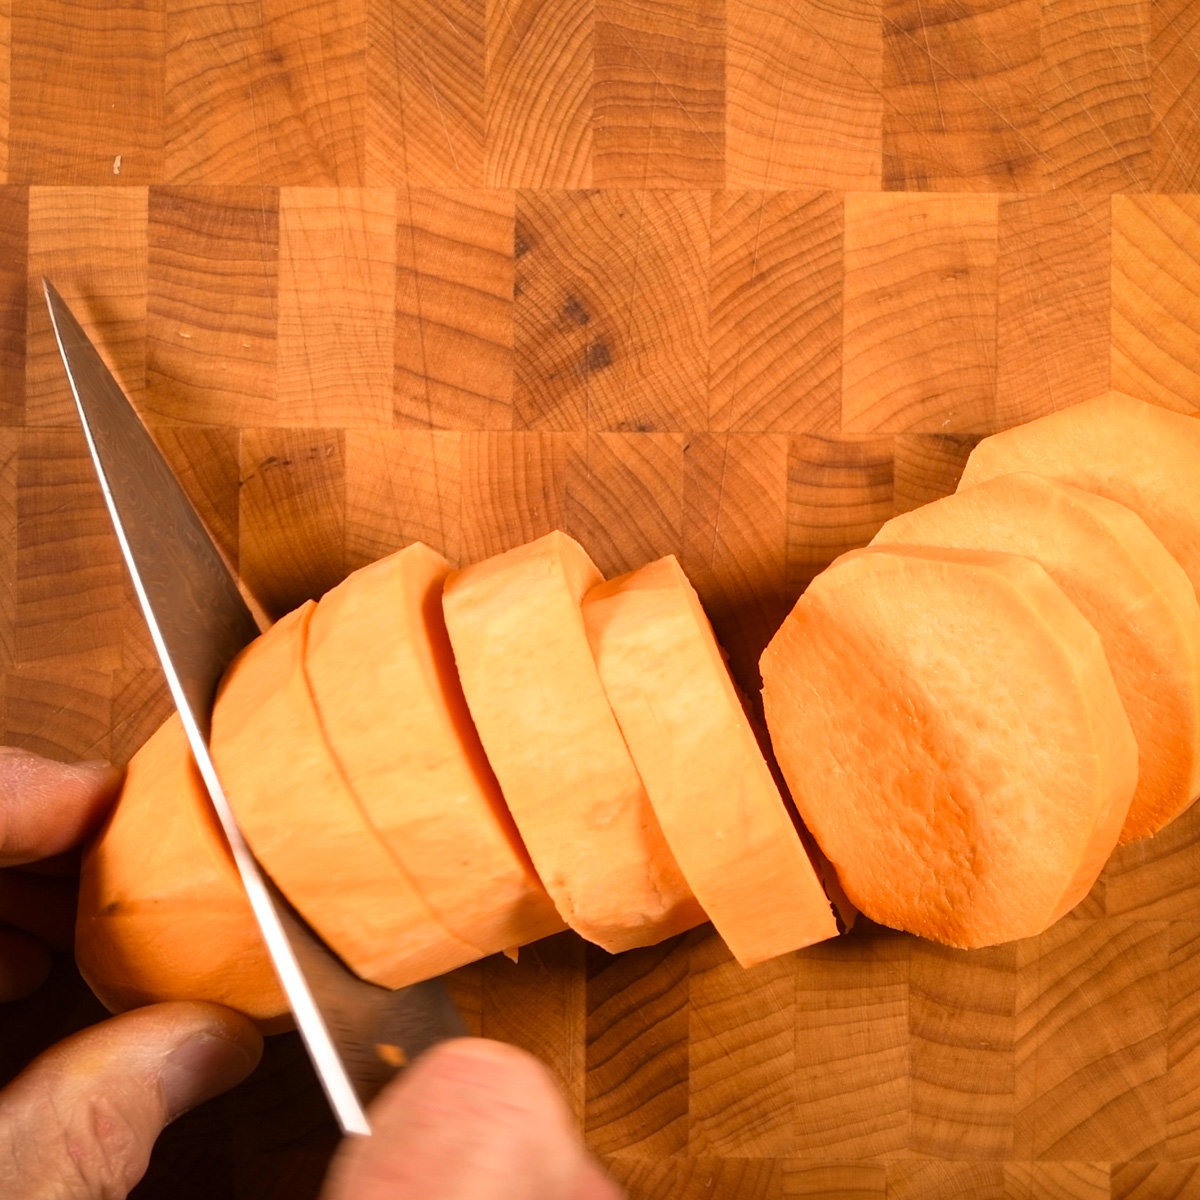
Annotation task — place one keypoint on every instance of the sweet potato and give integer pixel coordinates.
(1126, 584)
(162, 911)
(385, 686)
(1139, 454)
(533, 690)
(306, 828)
(713, 794)
(951, 733)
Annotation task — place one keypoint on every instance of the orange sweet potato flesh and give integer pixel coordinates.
(386, 688)
(711, 789)
(1126, 584)
(951, 733)
(1139, 454)
(516, 626)
(162, 913)
(305, 825)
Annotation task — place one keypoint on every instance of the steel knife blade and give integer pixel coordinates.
(356, 1033)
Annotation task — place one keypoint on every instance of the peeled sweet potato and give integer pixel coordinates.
(516, 626)
(162, 911)
(305, 825)
(1125, 583)
(1139, 454)
(950, 730)
(387, 692)
(713, 794)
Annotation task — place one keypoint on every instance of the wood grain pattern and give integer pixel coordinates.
(775, 299)
(212, 305)
(454, 309)
(273, 94)
(1155, 252)
(735, 280)
(658, 94)
(961, 97)
(85, 92)
(919, 342)
(425, 64)
(804, 106)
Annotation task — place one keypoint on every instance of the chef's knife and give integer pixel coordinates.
(357, 1034)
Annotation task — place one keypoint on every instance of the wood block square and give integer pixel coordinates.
(61, 710)
(70, 577)
(1056, 1181)
(743, 1069)
(1155, 1180)
(273, 93)
(611, 311)
(1183, 1040)
(14, 290)
(1155, 268)
(426, 62)
(917, 1179)
(211, 306)
(734, 545)
(539, 1004)
(658, 95)
(698, 1178)
(402, 485)
(291, 516)
(337, 307)
(538, 94)
(1095, 95)
(514, 488)
(1155, 878)
(1174, 97)
(454, 309)
(775, 303)
(840, 490)
(140, 704)
(804, 1180)
(637, 1052)
(86, 93)
(624, 497)
(928, 466)
(804, 97)
(919, 346)
(852, 1048)
(961, 97)
(961, 1019)
(1091, 1053)
(91, 244)
(1052, 339)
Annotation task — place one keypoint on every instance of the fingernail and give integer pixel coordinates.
(203, 1067)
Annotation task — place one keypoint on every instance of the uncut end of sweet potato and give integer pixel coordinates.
(949, 727)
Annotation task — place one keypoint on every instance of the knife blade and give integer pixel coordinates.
(356, 1034)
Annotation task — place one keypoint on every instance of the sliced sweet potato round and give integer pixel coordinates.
(306, 828)
(386, 688)
(1141, 455)
(1129, 587)
(711, 789)
(951, 733)
(533, 690)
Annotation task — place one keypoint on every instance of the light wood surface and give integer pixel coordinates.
(734, 280)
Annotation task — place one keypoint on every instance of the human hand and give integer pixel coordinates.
(80, 1121)
(469, 1120)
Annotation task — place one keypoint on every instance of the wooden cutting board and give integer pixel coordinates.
(736, 281)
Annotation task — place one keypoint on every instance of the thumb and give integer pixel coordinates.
(80, 1121)
(469, 1120)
